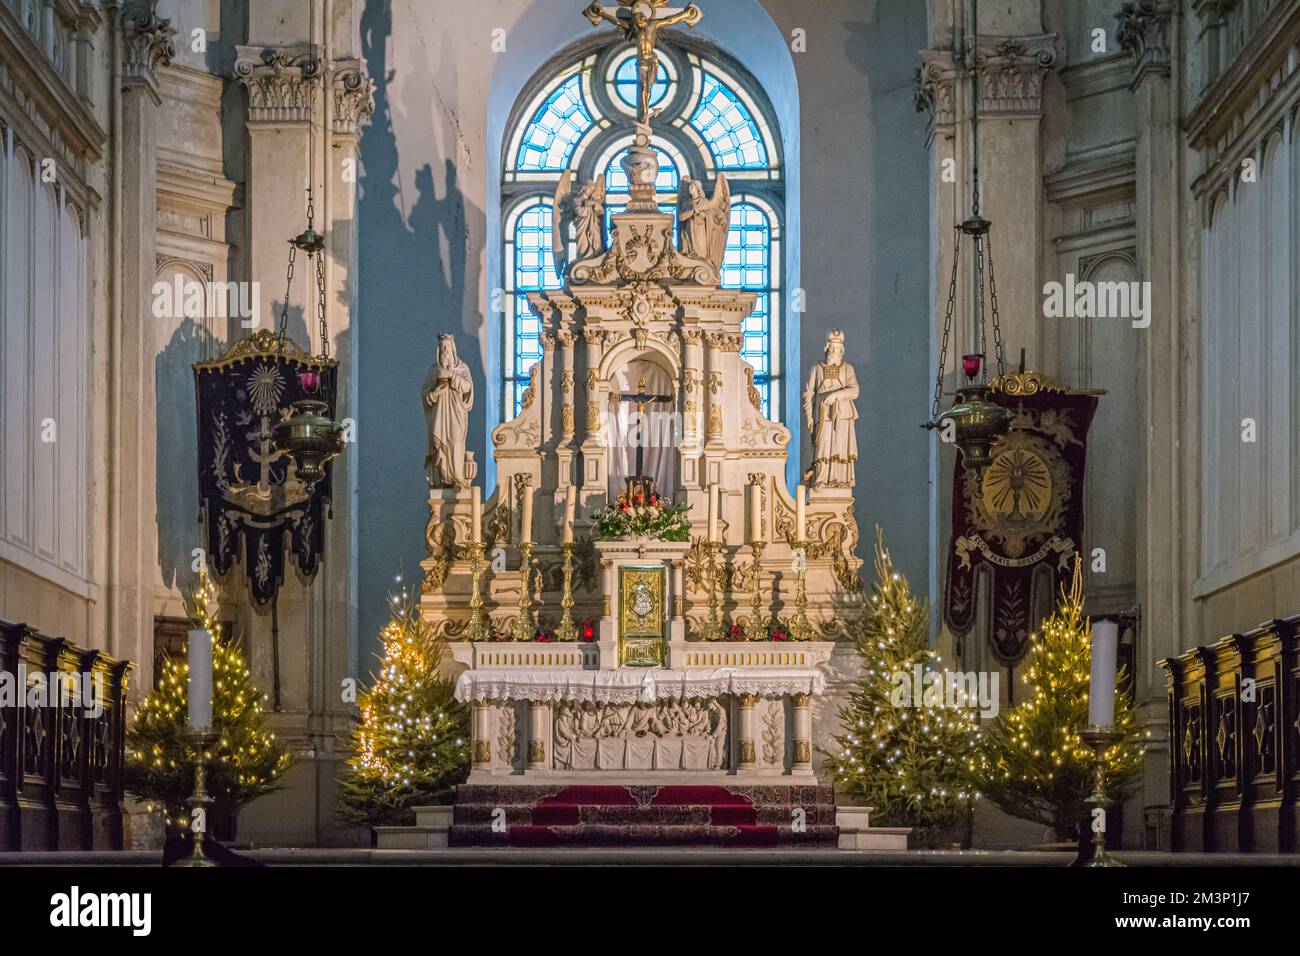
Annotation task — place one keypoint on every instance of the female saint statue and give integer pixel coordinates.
(448, 397)
(828, 403)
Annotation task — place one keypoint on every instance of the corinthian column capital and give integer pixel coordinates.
(278, 80)
(1144, 31)
(146, 45)
(354, 96)
(1011, 71)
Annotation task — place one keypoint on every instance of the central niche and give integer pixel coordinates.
(643, 430)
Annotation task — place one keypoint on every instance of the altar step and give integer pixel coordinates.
(605, 815)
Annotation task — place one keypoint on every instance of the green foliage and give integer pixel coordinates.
(909, 760)
(1033, 762)
(643, 516)
(411, 746)
(244, 763)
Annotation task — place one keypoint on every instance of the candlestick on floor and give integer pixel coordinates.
(567, 631)
(199, 800)
(756, 628)
(1100, 739)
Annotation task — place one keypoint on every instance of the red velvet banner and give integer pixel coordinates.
(1021, 521)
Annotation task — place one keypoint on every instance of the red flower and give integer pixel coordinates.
(779, 635)
(736, 633)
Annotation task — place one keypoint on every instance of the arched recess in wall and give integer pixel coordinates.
(729, 97)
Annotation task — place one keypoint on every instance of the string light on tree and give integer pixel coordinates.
(909, 760)
(411, 744)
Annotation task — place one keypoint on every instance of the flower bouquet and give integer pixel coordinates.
(638, 514)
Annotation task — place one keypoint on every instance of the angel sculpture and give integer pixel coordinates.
(585, 208)
(705, 221)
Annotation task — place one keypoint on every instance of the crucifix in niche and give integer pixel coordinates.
(643, 439)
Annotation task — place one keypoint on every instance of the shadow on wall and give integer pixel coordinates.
(414, 274)
(176, 478)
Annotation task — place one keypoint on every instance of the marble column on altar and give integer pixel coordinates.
(594, 456)
(802, 757)
(713, 389)
(746, 752)
(693, 390)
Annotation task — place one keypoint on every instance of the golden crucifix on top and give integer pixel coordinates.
(640, 21)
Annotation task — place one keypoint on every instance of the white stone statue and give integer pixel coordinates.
(828, 403)
(585, 208)
(448, 398)
(705, 222)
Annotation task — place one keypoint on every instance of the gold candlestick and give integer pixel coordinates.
(714, 626)
(756, 628)
(800, 628)
(1100, 739)
(523, 629)
(567, 631)
(199, 800)
(477, 629)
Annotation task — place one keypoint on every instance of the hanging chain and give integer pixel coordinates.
(320, 289)
(993, 304)
(947, 328)
(284, 308)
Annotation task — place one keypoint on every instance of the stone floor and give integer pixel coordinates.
(501, 856)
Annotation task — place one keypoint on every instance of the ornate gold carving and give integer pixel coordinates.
(566, 420)
(715, 420)
(537, 751)
(1024, 383)
(1022, 494)
(482, 752)
(747, 752)
(802, 700)
(802, 752)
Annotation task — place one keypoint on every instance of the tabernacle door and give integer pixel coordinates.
(642, 598)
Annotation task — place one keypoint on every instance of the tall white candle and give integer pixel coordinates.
(801, 512)
(755, 512)
(200, 689)
(713, 513)
(526, 517)
(1101, 690)
(476, 515)
(570, 512)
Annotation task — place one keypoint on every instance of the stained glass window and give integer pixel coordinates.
(533, 271)
(556, 129)
(747, 265)
(723, 125)
(625, 79)
(728, 127)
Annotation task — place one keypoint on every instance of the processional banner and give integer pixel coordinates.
(253, 505)
(1023, 514)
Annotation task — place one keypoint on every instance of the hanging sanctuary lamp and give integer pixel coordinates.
(309, 436)
(977, 422)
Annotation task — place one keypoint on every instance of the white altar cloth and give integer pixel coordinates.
(632, 685)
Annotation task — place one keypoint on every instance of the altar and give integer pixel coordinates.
(643, 599)
(552, 713)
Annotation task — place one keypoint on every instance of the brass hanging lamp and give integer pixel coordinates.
(309, 436)
(977, 422)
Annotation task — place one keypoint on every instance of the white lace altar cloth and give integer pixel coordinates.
(632, 685)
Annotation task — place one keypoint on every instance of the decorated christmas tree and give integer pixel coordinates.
(412, 743)
(246, 760)
(904, 753)
(1033, 763)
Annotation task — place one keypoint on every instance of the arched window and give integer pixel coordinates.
(580, 115)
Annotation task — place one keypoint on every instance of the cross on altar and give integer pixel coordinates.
(641, 21)
(642, 399)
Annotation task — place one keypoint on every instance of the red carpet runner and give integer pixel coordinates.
(590, 815)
